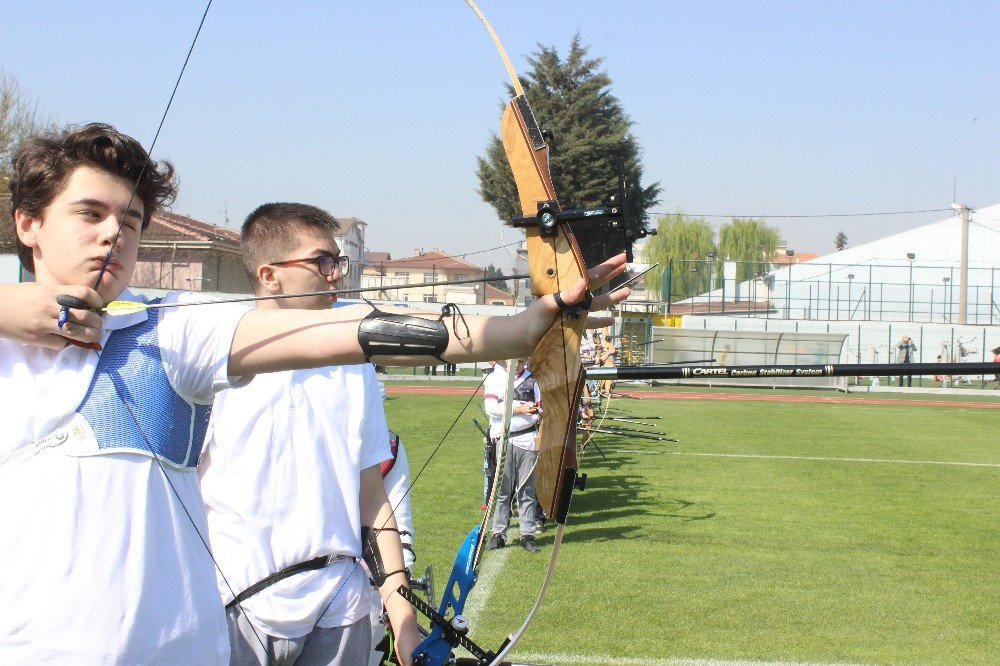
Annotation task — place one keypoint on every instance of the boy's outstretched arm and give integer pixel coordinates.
(273, 340)
(29, 313)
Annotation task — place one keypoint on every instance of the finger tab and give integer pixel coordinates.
(68, 301)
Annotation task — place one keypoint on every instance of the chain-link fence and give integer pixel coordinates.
(890, 291)
(880, 342)
(735, 348)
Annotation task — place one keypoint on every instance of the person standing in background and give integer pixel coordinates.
(905, 353)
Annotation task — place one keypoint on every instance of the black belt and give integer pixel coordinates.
(320, 562)
(515, 433)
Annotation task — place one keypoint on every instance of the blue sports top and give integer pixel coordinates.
(155, 416)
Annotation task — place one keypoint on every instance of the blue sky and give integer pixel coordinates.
(379, 109)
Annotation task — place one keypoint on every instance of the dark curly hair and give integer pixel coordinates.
(44, 163)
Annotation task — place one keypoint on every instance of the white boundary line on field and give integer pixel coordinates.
(566, 658)
(953, 463)
(825, 459)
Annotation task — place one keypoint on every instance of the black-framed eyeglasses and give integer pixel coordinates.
(325, 262)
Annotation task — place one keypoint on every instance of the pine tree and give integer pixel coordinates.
(591, 132)
(680, 245)
(840, 242)
(492, 271)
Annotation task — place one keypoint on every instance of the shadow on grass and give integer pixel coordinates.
(617, 505)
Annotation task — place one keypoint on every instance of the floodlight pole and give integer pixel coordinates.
(911, 256)
(788, 284)
(963, 272)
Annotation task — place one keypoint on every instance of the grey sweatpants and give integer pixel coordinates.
(518, 471)
(335, 646)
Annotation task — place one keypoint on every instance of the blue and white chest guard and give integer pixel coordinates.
(156, 417)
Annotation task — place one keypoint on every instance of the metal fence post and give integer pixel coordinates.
(992, 275)
(869, 315)
(829, 289)
(889, 379)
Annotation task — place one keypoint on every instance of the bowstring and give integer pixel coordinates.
(107, 259)
(152, 145)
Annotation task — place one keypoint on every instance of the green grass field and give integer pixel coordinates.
(773, 532)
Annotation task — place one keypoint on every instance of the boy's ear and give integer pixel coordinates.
(27, 228)
(268, 279)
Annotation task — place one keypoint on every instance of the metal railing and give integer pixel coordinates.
(899, 291)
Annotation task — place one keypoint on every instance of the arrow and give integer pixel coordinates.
(634, 278)
(117, 308)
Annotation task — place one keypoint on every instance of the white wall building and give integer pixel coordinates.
(909, 276)
(351, 240)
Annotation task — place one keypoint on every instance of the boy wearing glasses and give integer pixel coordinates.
(309, 443)
(104, 416)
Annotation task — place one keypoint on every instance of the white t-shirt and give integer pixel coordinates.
(281, 480)
(495, 390)
(100, 564)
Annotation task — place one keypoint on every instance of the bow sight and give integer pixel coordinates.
(613, 213)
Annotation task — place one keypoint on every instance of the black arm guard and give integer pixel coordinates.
(388, 334)
(372, 556)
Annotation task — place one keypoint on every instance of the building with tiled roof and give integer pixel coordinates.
(373, 272)
(424, 268)
(351, 241)
(179, 252)
(377, 258)
(783, 258)
(495, 296)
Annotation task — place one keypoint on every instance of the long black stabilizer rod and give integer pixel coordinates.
(769, 371)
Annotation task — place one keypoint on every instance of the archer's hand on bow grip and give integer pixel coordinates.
(30, 313)
(598, 276)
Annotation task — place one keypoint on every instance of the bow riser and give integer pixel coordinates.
(561, 380)
(555, 263)
(437, 648)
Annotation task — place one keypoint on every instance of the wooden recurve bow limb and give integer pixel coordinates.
(555, 263)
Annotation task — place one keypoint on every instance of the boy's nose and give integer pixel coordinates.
(110, 231)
